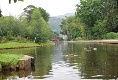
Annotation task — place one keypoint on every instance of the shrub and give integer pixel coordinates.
(3, 40)
(78, 38)
(20, 39)
(111, 35)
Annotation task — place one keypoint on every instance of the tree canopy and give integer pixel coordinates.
(97, 14)
(93, 19)
(72, 27)
(20, 29)
(29, 10)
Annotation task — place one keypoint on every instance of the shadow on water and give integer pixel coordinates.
(69, 61)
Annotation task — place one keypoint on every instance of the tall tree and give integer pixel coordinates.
(92, 11)
(44, 14)
(29, 10)
(41, 31)
(72, 27)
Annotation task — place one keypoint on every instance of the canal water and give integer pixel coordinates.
(68, 61)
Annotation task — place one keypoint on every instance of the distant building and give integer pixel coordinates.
(64, 37)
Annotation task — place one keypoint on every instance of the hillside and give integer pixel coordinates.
(55, 21)
(65, 15)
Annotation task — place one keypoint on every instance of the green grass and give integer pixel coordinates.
(6, 59)
(17, 44)
(10, 58)
(48, 43)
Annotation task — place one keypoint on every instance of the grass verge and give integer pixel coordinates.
(17, 44)
(9, 59)
(12, 59)
(10, 45)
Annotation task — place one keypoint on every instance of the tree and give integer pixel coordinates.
(92, 11)
(89, 12)
(41, 32)
(99, 29)
(20, 29)
(9, 27)
(72, 27)
(23, 27)
(29, 10)
(44, 14)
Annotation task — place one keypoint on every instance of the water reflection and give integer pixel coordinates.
(43, 62)
(100, 64)
(69, 61)
(61, 70)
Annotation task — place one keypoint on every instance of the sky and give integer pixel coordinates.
(53, 7)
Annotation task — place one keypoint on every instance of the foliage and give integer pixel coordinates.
(99, 29)
(21, 30)
(44, 14)
(78, 38)
(93, 12)
(12, 30)
(29, 10)
(111, 35)
(41, 31)
(93, 19)
(20, 39)
(11, 27)
(72, 27)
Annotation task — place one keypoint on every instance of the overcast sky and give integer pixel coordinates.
(53, 7)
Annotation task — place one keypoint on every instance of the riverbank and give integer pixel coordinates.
(16, 45)
(12, 59)
(16, 62)
(97, 41)
(9, 60)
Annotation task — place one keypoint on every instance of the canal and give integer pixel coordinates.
(68, 61)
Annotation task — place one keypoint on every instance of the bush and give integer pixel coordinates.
(3, 40)
(78, 38)
(111, 35)
(20, 39)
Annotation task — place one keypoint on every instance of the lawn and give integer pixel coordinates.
(17, 44)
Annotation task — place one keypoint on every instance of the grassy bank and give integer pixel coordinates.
(10, 45)
(17, 44)
(12, 59)
(9, 59)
